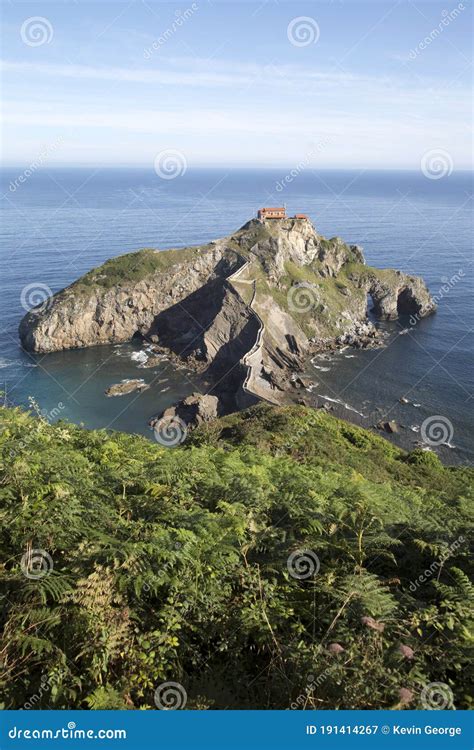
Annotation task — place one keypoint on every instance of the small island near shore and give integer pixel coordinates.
(245, 311)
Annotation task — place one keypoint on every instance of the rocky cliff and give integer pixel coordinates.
(245, 309)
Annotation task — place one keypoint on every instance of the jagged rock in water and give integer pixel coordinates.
(390, 427)
(126, 386)
(192, 410)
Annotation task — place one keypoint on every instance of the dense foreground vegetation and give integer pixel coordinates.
(274, 560)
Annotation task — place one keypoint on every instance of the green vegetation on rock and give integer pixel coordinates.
(179, 564)
(134, 267)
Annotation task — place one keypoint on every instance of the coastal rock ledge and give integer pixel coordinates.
(245, 310)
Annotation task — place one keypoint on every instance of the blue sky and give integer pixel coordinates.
(118, 82)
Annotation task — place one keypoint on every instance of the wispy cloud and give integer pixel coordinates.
(198, 73)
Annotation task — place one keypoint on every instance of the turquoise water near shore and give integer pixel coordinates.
(62, 222)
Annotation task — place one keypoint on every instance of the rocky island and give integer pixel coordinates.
(245, 310)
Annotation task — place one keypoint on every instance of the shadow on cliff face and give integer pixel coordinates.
(212, 326)
(181, 327)
(226, 371)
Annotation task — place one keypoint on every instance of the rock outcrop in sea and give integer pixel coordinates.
(245, 310)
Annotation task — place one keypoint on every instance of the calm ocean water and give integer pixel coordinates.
(62, 222)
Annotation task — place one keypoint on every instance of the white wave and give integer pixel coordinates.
(4, 363)
(342, 403)
(140, 357)
(415, 427)
(351, 408)
(323, 369)
(349, 356)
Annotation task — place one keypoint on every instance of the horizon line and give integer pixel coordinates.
(235, 167)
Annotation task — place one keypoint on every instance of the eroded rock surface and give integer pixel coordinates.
(192, 411)
(126, 386)
(244, 310)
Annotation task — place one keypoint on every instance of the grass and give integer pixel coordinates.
(320, 438)
(321, 318)
(134, 267)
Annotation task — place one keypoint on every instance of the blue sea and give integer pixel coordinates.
(59, 223)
